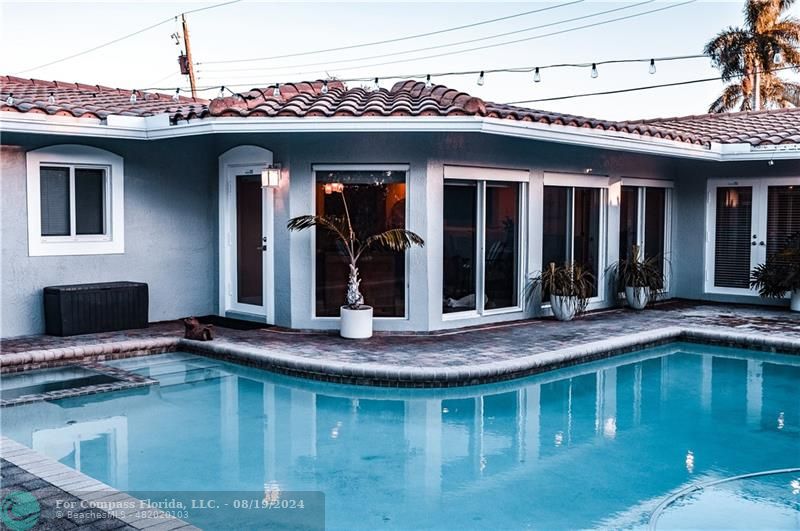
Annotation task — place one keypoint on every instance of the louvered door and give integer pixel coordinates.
(747, 221)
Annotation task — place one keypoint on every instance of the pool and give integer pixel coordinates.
(595, 445)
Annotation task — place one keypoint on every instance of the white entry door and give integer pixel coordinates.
(748, 220)
(246, 235)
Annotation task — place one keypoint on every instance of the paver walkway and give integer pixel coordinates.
(472, 346)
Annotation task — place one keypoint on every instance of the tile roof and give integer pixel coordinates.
(92, 101)
(405, 98)
(768, 127)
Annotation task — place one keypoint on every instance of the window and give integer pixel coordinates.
(75, 201)
(482, 235)
(643, 221)
(572, 221)
(376, 201)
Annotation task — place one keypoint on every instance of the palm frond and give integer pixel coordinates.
(730, 98)
(334, 224)
(395, 240)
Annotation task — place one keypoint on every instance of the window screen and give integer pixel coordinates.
(54, 194)
(89, 198)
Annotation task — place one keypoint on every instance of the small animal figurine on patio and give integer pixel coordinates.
(196, 330)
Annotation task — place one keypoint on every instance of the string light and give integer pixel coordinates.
(177, 95)
(276, 92)
(537, 77)
(777, 59)
(481, 79)
(428, 83)
(133, 96)
(325, 87)
(51, 99)
(10, 99)
(652, 66)
(222, 91)
(375, 85)
(594, 71)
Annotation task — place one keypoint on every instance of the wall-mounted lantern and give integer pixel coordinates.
(271, 176)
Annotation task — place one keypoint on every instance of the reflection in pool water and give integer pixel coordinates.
(590, 446)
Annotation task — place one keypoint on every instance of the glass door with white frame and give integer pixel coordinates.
(482, 241)
(644, 222)
(747, 222)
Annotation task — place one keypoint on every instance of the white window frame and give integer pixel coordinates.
(482, 176)
(641, 186)
(406, 168)
(604, 183)
(758, 225)
(76, 156)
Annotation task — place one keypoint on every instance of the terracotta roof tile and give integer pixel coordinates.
(92, 101)
(405, 98)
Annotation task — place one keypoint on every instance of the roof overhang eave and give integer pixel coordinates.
(160, 127)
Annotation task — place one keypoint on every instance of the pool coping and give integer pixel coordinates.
(87, 490)
(385, 375)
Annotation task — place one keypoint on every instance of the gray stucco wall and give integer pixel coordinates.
(172, 209)
(170, 231)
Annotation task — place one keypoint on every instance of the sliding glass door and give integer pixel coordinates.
(747, 222)
(482, 240)
(643, 221)
(572, 231)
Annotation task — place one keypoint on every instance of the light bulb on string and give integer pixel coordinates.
(777, 59)
(652, 69)
(595, 73)
(276, 92)
(51, 99)
(324, 87)
(176, 96)
(537, 77)
(375, 84)
(222, 91)
(10, 99)
(428, 83)
(481, 79)
(133, 96)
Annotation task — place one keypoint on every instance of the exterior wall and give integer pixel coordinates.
(170, 231)
(172, 209)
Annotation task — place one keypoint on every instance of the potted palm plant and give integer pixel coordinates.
(356, 317)
(641, 279)
(568, 286)
(780, 274)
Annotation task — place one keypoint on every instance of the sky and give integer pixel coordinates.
(33, 33)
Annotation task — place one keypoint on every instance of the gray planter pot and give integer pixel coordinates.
(564, 308)
(637, 297)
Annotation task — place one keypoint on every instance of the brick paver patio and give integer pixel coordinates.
(473, 346)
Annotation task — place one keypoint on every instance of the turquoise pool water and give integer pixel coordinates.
(596, 445)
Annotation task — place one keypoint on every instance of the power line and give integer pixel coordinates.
(397, 39)
(118, 39)
(429, 48)
(526, 39)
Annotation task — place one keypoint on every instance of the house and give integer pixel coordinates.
(102, 184)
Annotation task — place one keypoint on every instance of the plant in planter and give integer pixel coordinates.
(641, 279)
(356, 317)
(568, 286)
(780, 274)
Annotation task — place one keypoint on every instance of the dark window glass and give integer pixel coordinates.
(655, 205)
(54, 195)
(628, 219)
(249, 242)
(501, 248)
(377, 202)
(460, 222)
(555, 246)
(783, 216)
(586, 231)
(89, 199)
(732, 245)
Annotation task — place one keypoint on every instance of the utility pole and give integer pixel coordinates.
(189, 62)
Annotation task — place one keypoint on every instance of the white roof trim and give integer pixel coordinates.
(158, 127)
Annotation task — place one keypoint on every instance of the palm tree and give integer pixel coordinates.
(396, 240)
(750, 55)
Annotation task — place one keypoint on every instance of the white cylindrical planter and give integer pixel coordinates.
(796, 300)
(564, 308)
(637, 297)
(356, 324)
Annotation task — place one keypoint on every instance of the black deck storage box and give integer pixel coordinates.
(88, 308)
